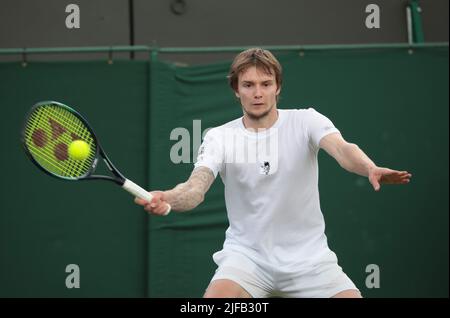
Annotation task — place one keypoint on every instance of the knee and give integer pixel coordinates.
(225, 289)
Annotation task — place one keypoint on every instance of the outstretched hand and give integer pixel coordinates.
(379, 176)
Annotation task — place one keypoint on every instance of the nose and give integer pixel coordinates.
(258, 92)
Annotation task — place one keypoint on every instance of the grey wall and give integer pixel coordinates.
(237, 22)
(25, 23)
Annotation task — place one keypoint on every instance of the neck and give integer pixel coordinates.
(264, 122)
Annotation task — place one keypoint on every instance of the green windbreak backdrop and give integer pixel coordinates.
(47, 224)
(394, 105)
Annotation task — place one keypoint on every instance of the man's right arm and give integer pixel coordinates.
(184, 197)
(188, 195)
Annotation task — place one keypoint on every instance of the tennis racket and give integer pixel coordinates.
(49, 130)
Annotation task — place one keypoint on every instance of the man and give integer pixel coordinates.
(275, 244)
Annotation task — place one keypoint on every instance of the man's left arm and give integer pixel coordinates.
(353, 159)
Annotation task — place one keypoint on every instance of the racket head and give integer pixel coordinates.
(48, 130)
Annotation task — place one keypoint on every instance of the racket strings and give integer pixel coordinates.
(49, 131)
(78, 131)
(48, 143)
(38, 134)
(57, 149)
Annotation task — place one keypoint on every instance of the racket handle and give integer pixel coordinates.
(137, 191)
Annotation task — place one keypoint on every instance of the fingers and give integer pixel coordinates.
(156, 206)
(163, 209)
(402, 177)
(143, 202)
(395, 177)
(406, 175)
(140, 201)
(159, 209)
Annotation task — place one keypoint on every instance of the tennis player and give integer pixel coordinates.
(275, 244)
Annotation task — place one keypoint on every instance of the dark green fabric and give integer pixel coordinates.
(394, 105)
(45, 223)
(181, 244)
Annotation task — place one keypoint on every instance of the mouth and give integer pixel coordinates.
(258, 104)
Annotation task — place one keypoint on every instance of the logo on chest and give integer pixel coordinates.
(264, 168)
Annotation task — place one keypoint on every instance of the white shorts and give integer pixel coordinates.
(324, 280)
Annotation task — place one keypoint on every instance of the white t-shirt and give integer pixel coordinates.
(271, 187)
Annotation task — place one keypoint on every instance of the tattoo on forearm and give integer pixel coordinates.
(191, 193)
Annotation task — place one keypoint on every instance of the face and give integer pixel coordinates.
(257, 92)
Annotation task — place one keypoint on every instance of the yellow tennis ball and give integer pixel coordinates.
(79, 150)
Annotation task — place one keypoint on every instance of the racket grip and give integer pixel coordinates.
(139, 192)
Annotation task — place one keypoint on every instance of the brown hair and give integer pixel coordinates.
(258, 57)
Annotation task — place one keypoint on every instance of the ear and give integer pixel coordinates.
(278, 91)
(237, 94)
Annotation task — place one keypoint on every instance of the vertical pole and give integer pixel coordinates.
(416, 20)
(153, 59)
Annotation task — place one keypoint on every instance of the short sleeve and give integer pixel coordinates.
(317, 126)
(210, 153)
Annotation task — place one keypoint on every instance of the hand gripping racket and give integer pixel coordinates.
(50, 128)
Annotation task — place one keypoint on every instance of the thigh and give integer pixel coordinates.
(324, 281)
(238, 274)
(349, 293)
